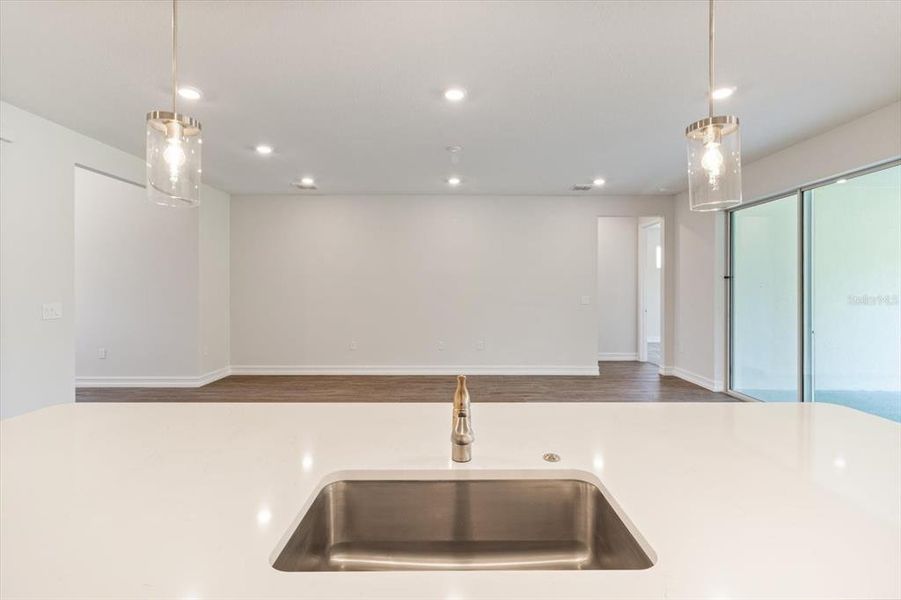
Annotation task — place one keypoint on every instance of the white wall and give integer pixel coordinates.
(700, 242)
(136, 280)
(617, 288)
(399, 274)
(214, 291)
(37, 358)
(696, 280)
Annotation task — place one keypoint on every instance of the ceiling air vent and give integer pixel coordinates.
(582, 187)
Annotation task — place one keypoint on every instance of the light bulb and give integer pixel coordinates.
(713, 159)
(712, 162)
(175, 158)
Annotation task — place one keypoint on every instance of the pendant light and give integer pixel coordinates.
(173, 146)
(714, 151)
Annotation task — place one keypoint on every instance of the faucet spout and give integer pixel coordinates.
(461, 430)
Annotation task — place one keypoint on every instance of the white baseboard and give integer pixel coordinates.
(704, 382)
(613, 356)
(206, 378)
(186, 381)
(201, 380)
(588, 370)
(215, 375)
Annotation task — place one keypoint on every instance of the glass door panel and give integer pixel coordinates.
(765, 300)
(855, 284)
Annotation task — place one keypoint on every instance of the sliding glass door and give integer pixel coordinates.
(765, 314)
(855, 282)
(815, 285)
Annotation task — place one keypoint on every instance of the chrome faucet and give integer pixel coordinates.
(461, 431)
(461, 424)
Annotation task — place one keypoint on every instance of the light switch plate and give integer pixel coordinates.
(480, 345)
(101, 353)
(51, 311)
(586, 300)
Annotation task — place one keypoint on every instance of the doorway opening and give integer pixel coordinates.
(650, 290)
(135, 267)
(630, 289)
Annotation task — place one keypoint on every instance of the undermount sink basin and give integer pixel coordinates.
(468, 524)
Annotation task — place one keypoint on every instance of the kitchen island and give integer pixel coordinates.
(744, 500)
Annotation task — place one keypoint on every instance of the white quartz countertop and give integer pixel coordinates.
(182, 501)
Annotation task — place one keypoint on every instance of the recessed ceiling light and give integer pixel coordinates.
(189, 93)
(454, 94)
(453, 181)
(305, 183)
(842, 181)
(263, 149)
(598, 182)
(722, 93)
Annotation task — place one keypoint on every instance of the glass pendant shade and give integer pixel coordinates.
(714, 163)
(173, 159)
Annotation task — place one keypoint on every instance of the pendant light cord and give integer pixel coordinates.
(711, 40)
(174, 55)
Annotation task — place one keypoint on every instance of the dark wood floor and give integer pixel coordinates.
(617, 382)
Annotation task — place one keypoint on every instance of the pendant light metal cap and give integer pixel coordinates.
(726, 124)
(158, 119)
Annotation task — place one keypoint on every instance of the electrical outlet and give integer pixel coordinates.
(101, 353)
(586, 300)
(480, 345)
(51, 311)
(442, 346)
(353, 345)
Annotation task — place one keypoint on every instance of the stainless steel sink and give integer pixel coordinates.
(400, 525)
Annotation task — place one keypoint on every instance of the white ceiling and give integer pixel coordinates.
(351, 92)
